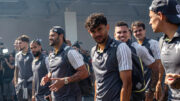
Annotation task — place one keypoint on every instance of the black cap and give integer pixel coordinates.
(77, 44)
(58, 29)
(170, 8)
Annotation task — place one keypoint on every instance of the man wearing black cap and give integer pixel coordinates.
(165, 17)
(66, 68)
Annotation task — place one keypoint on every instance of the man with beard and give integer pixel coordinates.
(111, 61)
(40, 69)
(165, 17)
(23, 70)
(66, 68)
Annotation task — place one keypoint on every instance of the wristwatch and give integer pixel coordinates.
(66, 81)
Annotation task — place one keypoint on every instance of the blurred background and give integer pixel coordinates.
(35, 17)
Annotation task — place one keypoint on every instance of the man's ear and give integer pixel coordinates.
(161, 16)
(61, 36)
(90, 32)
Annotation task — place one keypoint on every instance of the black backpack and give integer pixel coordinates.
(138, 81)
(86, 85)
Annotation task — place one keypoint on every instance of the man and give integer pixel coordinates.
(66, 68)
(111, 61)
(40, 69)
(139, 32)
(23, 70)
(122, 33)
(164, 17)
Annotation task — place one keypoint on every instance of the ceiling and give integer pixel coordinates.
(49, 8)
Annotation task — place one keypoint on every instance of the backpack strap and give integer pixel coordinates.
(66, 49)
(142, 68)
(147, 45)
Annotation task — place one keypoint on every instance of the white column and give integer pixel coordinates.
(71, 26)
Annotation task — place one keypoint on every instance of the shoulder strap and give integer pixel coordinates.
(147, 45)
(133, 50)
(66, 49)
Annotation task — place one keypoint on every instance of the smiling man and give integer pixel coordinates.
(66, 68)
(122, 33)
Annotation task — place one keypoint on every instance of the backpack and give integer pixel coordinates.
(138, 81)
(86, 85)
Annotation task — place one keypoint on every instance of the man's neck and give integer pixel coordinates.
(171, 30)
(102, 46)
(140, 41)
(37, 57)
(25, 50)
(56, 48)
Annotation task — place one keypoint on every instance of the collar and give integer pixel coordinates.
(60, 49)
(40, 57)
(176, 35)
(26, 53)
(145, 41)
(129, 42)
(109, 41)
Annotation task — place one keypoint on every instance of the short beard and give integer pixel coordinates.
(37, 54)
(103, 41)
(56, 41)
(52, 44)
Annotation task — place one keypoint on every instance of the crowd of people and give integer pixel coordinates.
(116, 69)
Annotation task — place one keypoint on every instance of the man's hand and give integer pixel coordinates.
(6, 60)
(49, 98)
(173, 80)
(58, 83)
(149, 96)
(45, 79)
(158, 92)
(33, 98)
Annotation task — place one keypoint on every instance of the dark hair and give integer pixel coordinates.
(137, 24)
(59, 30)
(94, 20)
(37, 41)
(121, 23)
(24, 38)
